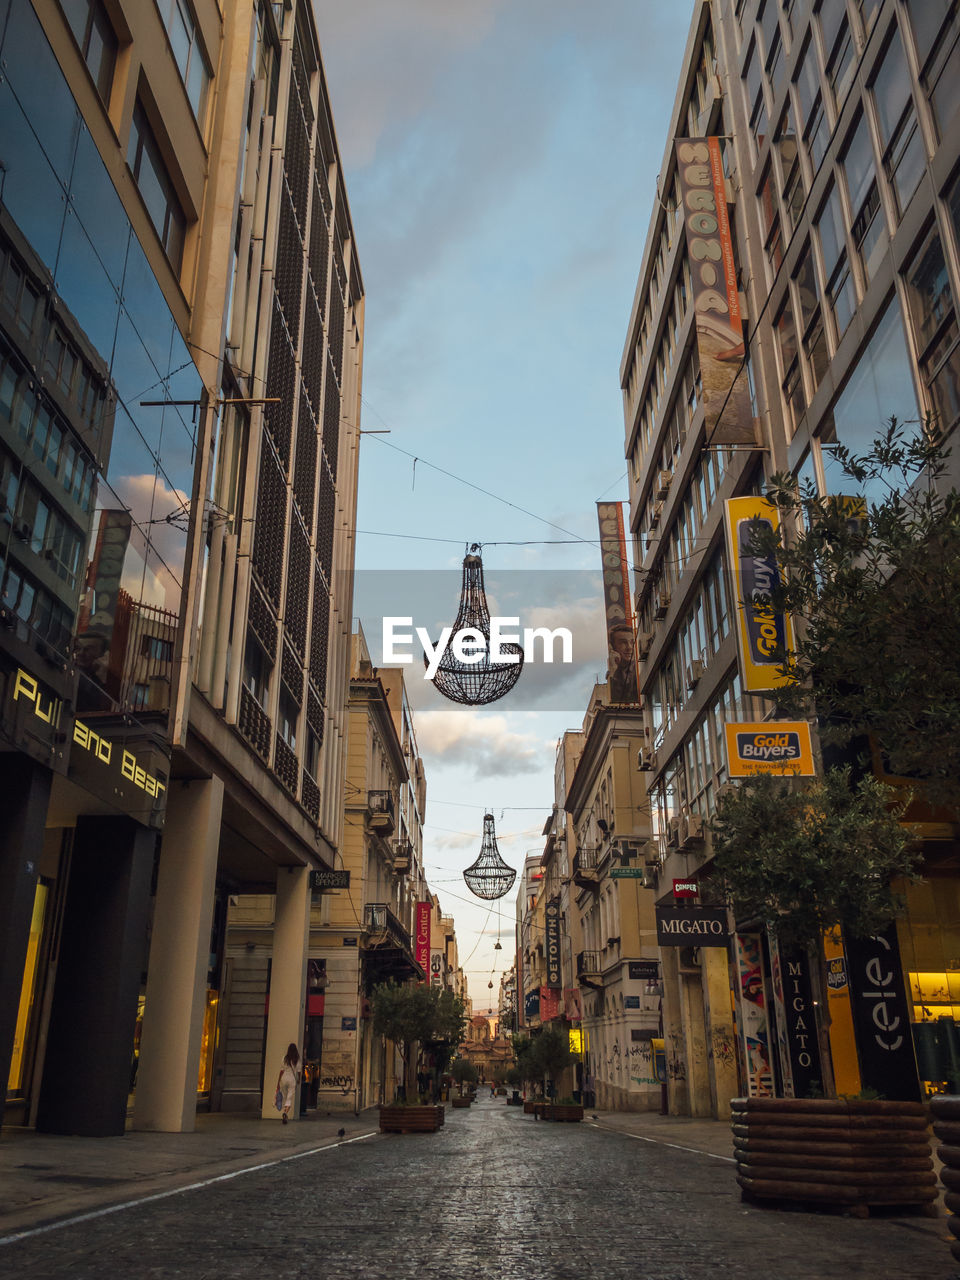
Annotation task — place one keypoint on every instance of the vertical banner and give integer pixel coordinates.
(622, 672)
(728, 413)
(422, 943)
(549, 1004)
(843, 1045)
(801, 1062)
(554, 974)
(881, 1016)
(753, 1022)
(761, 631)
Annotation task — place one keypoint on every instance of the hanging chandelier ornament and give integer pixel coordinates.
(489, 877)
(476, 683)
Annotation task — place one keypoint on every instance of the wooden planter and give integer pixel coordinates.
(460, 1102)
(414, 1119)
(501, 1092)
(946, 1125)
(564, 1111)
(528, 1106)
(825, 1151)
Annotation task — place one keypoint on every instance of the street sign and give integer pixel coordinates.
(626, 873)
(320, 880)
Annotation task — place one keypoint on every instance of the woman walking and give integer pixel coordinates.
(288, 1077)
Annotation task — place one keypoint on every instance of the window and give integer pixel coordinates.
(813, 121)
(937, 39)
(288, 713)
(868, 230)
(156, 648)
(770, 214)
(791, 378)
(811, 317)
(146, 164)
(935, 328)
(837, 50)
(256, 669)
(97, 40)
(836, 268)
(880, 386)
(903, 158)
(185, 43)
(756, 106)
(312, 760)
(794, 193)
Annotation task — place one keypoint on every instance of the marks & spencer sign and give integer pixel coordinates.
(692, 926)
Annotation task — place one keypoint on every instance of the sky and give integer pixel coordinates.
(500, 161)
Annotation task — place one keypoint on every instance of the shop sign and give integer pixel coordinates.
(321, 880)
(531, 1004)
(575, 1040)
(572, 1005)
(728, 413)
(549, 1004)
(33, 716)
(781, 747)
(422, 944)
(622, 672)
(761, 630)
(692, 926)
(643, 970)
(626, 873)
(552, 914)
(685, 888)
(794, 1001)
(881, 1016)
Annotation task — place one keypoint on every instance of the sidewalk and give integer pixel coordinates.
(712, 1137)
(44, 1177)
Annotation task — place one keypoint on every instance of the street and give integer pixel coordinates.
(492, 1193)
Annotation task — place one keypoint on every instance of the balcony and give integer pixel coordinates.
(387, 946)
(402, 858)
(589, 969)
(380, 812)
(586, 872)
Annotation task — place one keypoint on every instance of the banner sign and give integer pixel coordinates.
(531, 1004)
(320, 880)
(793, 995)
(760, 630)
(692, 926)
(552, 913)
(716, 300)
(572, 1005)
(622, 673)
(549, 1004)
(753, 1022)
(422, 945)
(782, 747)
(881, 1016)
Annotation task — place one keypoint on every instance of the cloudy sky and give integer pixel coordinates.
(501, 160)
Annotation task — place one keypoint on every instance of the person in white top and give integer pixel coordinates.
(288, 1077)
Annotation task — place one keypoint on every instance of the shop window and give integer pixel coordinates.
(153, 181)
(868, 229)
(903, 157)
(185, 43)
(836, 265)
(97, 39)
(933, 315)
(880, 387)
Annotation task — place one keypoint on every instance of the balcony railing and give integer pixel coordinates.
(402, 856)
(379, 919)
(585, 872)
(588, 964)
(380, 807)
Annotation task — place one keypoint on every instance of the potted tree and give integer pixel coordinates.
(514, 1081)
(463, 1072)
(551, 1056)
(408, 1015)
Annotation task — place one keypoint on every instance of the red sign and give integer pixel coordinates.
(422, 943)
(685, 888)
(549, 1004)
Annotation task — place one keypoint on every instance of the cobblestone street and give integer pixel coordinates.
(482, 1196)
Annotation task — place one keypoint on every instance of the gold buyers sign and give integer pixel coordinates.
(781, 747)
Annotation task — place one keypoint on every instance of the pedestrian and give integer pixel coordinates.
(288, 1077)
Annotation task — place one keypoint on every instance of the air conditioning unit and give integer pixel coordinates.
(692, 830)
(663, 606)
(657, 513)
(644, 643)
(650, 876)
(663, 484)
(673, 832)
(646, 760)
(695, 673)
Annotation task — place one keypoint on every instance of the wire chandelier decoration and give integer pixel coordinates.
(489, 877)
(475, 683)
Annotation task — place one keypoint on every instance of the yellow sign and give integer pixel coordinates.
(781, 747)
(576, 1040)
(761, 630)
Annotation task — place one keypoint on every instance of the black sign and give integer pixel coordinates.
(631, 1002)
(643, 970)
(320, 880)
(801, 1025)
(766, 630)
(692, 926)
(881, 1016)
(554, 974)
(531, 1004)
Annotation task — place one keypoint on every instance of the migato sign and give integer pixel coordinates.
(692, 926)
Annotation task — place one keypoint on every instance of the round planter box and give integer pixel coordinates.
(414, 1119)
(946, 1126)
(825, 1151)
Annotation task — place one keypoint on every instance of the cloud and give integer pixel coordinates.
(486, 744)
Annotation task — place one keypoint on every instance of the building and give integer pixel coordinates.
(834, 147)
(182, 350)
